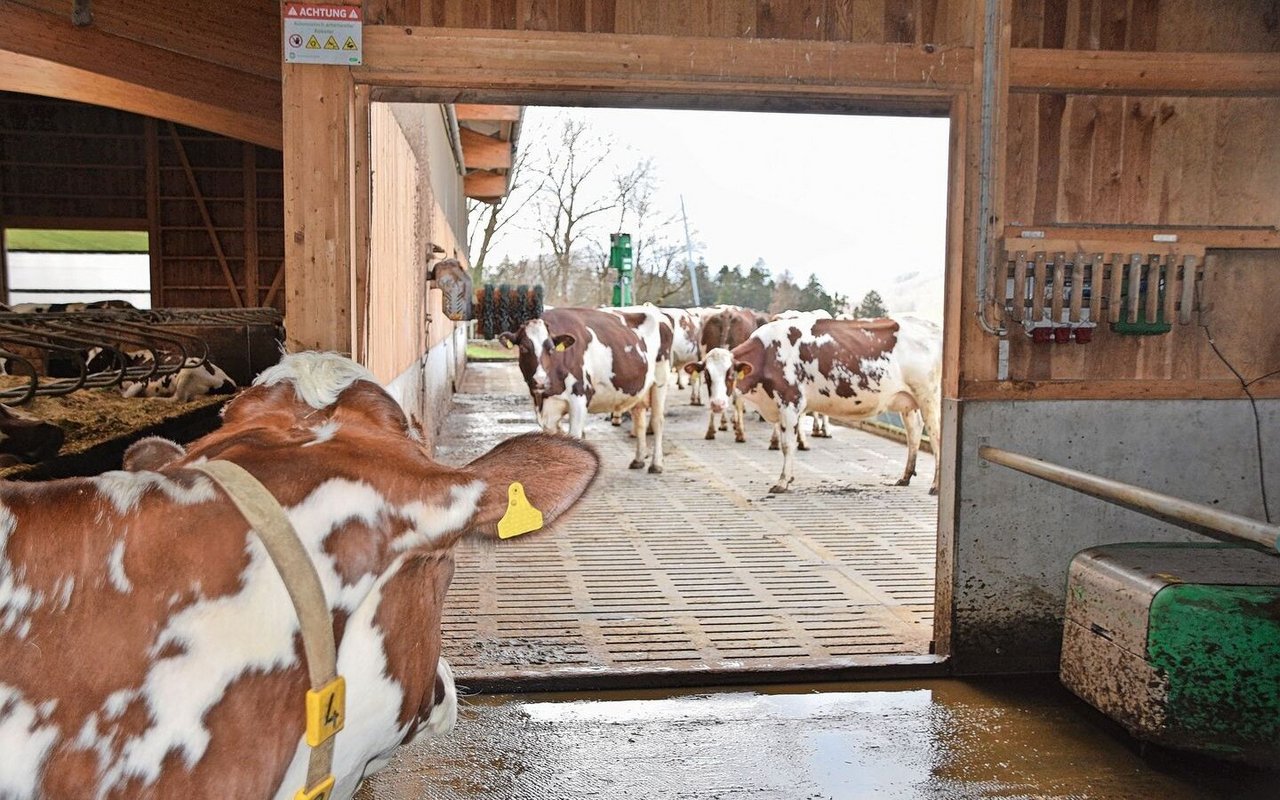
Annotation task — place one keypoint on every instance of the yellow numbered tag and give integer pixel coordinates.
(326, 711)
(521, 516)
(320, 791)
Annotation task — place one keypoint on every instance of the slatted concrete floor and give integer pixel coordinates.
(699, 569)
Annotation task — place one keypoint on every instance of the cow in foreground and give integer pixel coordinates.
(580, 361)
(148, 647)
(847, 369)
(725, 330)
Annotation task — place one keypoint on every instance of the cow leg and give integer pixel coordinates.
(789, 422)
(911, 422)
(801, 442)
(724, 422)
(820, 426)
(638, 424)
(695, 389)
(773, 442)
(615, 419)
(577, 417)
(658, 421)
(682, 378)
(739, 419)
(931, 412)
(711, 426)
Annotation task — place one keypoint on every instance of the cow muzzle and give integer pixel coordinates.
(718, 406)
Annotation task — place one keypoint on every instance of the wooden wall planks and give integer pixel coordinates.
(863, 21)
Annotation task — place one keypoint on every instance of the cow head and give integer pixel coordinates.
(722, 375)
(540, 357)
(147, 644)
(25, 439)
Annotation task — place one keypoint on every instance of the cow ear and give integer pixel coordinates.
(151, 454)
(508, 340)
(743, 368)
(696, 366)
(563, 342)
(554, 470)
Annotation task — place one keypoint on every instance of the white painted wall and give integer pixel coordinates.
(79, 277)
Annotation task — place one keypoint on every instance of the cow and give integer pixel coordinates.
(148, 646)
(686, 347)
(62, 308)
(725, 329)
(848, 369)
(577, 361)
(821, 429)
(25, 439)
(196, 378)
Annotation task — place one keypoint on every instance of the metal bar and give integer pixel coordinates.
(1197, 517)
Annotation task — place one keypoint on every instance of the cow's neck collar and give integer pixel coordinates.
(325, 703)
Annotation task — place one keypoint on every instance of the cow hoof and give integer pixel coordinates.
(773, 445)
(740, 439)
(654, 469)
(933, 490)
(903, 482)
(802, 446)
(695, 402)
(778, 488)
(711, 435)
(637, 464)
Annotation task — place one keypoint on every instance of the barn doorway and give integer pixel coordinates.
(700, 574)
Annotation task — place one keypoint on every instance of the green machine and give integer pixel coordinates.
(1180, 644)
(620, 259)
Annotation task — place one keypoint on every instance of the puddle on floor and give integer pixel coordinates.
(950, 740)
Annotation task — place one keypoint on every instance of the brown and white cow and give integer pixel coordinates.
(580, 361)
(148, 647)
(726, 329)
(847, 369)
(686, 346)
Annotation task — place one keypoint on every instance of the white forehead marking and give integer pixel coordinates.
(318, 378)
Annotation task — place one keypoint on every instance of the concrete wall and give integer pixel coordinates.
(1015, 535)
(425, 389)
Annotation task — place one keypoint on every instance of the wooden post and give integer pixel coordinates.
(249, 168)
(154, 245)
(318, 223)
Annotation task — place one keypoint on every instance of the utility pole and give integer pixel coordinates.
(688, 256)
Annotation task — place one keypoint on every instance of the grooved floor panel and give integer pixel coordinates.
(699, 568)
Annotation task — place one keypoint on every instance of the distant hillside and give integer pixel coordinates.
(917, 292)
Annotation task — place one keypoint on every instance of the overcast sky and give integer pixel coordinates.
(857, 200)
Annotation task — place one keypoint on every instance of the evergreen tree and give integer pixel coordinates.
(871, 306)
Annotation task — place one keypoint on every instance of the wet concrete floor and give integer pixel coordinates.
(945, 739)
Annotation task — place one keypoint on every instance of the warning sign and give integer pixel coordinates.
(322, 34)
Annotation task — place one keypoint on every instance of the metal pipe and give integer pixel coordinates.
(455, 136)
(986, 160)
(1197, 517)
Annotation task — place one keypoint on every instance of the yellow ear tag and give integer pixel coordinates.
(560, 348)
(521, 516)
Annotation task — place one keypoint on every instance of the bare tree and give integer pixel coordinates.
(573, 194)
(487, 221)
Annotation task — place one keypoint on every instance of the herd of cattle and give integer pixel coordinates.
(580, 361)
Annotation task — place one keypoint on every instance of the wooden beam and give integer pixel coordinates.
(318, 198)
(44, 54)
(1141, 236)
(489, 186)
(473, 112)
(155, 250)
(1140, 389)
(204, 215)
(484, 152)
(249, 170)
(1144, 73)
(604, 66)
